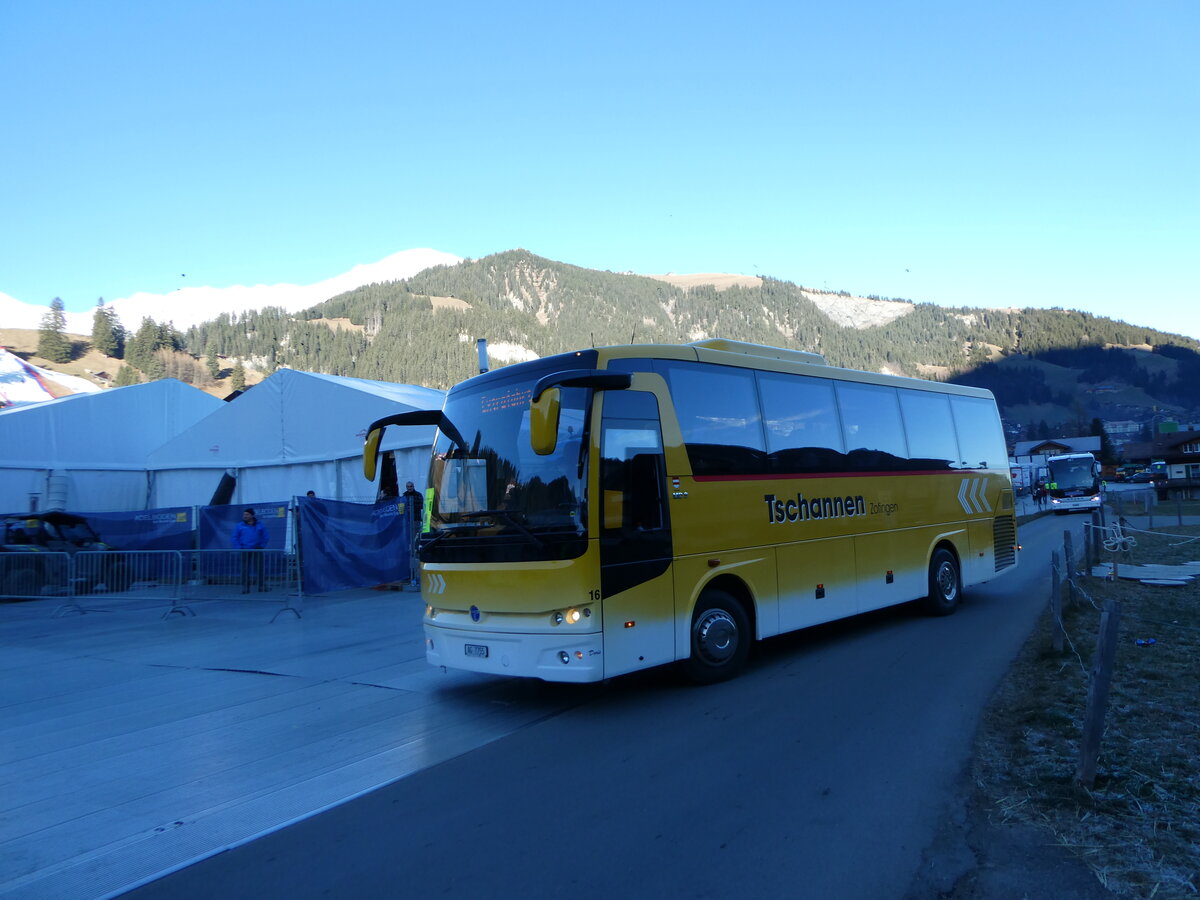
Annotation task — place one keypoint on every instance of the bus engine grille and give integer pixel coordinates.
(1004, 539)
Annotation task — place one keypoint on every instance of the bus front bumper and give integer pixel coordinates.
(551, 657)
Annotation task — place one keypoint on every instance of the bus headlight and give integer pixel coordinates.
(430, 612)
(572, 616)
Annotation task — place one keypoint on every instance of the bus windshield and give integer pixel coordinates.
(495, 498)
(1072, 474)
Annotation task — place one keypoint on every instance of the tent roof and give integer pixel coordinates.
(113, 429)
(297, 417)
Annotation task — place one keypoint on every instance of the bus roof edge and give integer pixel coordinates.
(746, 349)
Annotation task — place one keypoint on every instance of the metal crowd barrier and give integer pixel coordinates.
(33, 575)
(140, 574)
(177, 576)
(228, 573)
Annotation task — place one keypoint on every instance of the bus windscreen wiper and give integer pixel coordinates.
(444, 531)
(508, 517)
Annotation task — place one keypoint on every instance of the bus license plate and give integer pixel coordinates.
(477, 650)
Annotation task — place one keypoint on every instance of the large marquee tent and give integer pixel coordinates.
(292, 433)
(87, 452)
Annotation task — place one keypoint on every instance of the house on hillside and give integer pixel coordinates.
(1180, 450)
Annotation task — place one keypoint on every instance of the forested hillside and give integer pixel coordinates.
(423, 330)
(548, 307)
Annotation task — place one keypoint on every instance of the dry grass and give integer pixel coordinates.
(1138, 827)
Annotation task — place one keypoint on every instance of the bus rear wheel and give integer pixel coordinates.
(720, 637)
(945, 584)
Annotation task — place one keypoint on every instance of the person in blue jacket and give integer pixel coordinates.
(250, 535)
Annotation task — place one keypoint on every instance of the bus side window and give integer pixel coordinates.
(632, 471)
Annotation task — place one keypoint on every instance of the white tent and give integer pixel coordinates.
(87, 452)
(292, 433)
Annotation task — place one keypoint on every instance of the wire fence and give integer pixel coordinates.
(1110, 552)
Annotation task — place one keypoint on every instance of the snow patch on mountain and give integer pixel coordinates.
(857, 312)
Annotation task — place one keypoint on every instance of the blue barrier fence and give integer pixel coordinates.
(151, 529)
(336, 545)
(345, 545)
(216, 524)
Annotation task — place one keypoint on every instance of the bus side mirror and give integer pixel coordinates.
(543, 421)
(371, 453)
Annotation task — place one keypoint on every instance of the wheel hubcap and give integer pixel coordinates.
(716, 636)
(947, 583)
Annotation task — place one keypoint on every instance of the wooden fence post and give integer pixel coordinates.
(1069, 566)
(1097, 700)
(1088, 546)
(1056, 626)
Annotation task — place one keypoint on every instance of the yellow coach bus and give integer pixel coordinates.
(612, 509)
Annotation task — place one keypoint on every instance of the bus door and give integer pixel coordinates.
(635, 535)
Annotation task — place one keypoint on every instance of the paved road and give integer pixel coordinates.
(823, 772)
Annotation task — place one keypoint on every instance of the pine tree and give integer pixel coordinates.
(1108, 453)
(140, 348)
(210, 360)
(237, 380)
(108, 337)
(128, 375)
(53, 343)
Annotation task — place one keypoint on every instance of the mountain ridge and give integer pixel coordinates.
(422, 329)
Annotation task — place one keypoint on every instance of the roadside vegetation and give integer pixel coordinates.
(1138, 825)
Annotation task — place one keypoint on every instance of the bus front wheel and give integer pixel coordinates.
(945, 584)
(720, 638)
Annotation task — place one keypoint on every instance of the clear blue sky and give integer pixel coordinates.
(1023, 154)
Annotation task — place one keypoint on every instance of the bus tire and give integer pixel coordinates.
(720, 638)
(945, 583)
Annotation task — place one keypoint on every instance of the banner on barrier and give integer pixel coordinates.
(216, 525)
(148, 529)
(351, 545)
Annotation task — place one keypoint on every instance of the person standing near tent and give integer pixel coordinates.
(414, 507)
(414, 510)
(250, 535)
